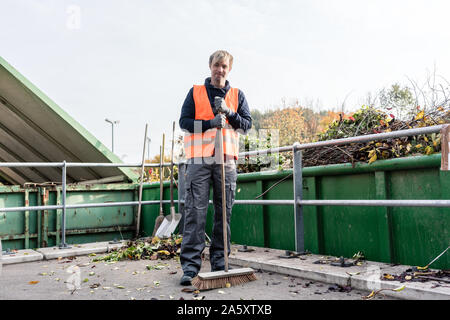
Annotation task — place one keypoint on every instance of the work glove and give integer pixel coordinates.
(221, 106)
(218, 121)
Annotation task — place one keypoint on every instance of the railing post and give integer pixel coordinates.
(445, 148)
(298, 196)
(63, 244)
(27, 219)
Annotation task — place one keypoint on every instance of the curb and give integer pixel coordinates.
(364, 277)
(48, 253)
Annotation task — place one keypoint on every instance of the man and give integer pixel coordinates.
(200, 118)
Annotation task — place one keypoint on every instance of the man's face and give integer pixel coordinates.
(219, 71)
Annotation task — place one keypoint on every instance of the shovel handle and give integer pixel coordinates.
(141, 181)
(161, 161)
(171, 167)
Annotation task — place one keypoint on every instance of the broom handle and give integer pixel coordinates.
(224, 202)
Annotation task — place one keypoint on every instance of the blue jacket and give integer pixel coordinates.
(240, 120)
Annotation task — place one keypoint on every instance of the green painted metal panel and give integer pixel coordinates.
(348, 230)
(397, 234)
(279, 229)
(403, 235)
(419, 234)
(247, 222)
(150, 191)
(82, 225)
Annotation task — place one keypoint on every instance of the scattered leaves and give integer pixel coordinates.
(150, 248)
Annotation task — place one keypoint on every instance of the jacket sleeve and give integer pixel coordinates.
(242, 119)
(187, 117)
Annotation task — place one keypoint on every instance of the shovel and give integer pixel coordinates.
(160, 219)
(174, 218)
(141, 181)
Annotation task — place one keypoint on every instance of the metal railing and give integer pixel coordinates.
(297, 202)
(64, 206)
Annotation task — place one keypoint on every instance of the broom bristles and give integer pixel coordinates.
(221, 282)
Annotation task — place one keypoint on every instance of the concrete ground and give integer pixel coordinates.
(71, 274)
(129, 280)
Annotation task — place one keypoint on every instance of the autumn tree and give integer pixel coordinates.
(290, 123)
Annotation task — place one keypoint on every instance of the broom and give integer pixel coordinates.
(222, 279)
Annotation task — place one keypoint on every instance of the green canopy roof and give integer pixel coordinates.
(33, 128)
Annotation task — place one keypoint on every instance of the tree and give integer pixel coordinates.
(290, 123)
(398, 100)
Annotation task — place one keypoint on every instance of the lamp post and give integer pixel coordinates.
(112, 132)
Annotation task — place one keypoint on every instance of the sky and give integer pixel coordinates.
(135, 61)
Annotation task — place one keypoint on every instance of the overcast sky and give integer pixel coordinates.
(135, 61)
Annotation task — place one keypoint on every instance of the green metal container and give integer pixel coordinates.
(33, 229)
(404, 235)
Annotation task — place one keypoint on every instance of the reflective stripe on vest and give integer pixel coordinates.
(202, 144)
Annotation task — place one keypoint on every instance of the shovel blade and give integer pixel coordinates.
(176, 217)
(160, 233)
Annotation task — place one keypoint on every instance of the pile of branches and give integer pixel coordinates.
(416, 275)
(367, 121)
(146, 248)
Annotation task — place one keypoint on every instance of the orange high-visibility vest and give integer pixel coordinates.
(202, 144)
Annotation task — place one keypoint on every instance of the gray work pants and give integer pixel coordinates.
(199, 177)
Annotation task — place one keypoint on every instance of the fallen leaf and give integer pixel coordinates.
(33, 282)
(388, 276)
(422, 268)
(373, 159)
(399, 289)
(429, 150)
(420, 115)
(370, 295)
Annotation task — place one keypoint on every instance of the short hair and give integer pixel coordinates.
(219, 55)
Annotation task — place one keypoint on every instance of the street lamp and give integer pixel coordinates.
(112, 132)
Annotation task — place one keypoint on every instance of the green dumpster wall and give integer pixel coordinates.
(33, 229)
(404, 235)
